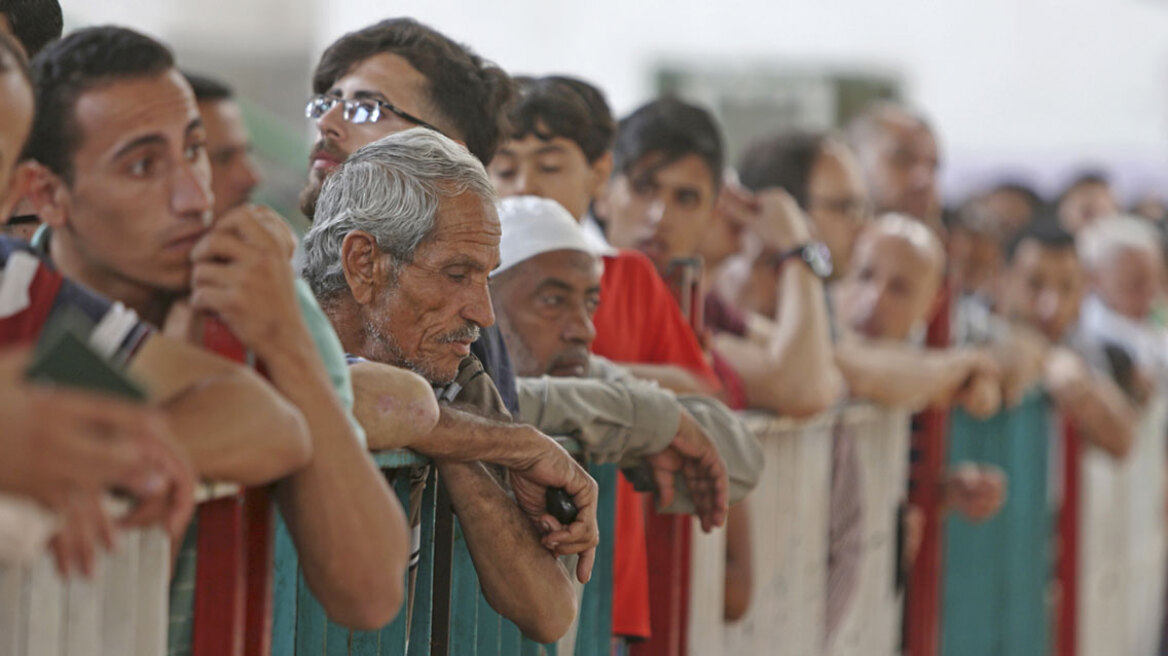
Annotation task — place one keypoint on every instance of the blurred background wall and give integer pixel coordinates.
(1028, 88)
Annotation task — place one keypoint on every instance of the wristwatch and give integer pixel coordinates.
(815, 254)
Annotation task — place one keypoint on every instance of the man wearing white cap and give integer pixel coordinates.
(544, 291)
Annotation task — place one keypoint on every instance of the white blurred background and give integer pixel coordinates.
(1030, 89)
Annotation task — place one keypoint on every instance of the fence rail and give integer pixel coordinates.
(789, 514)
(124, 610)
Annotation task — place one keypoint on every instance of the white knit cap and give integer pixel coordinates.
(533, 226)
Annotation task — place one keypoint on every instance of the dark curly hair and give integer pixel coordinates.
(34, 23)
(561, 106)
(672, 128)
(469, 92)
(80, 62)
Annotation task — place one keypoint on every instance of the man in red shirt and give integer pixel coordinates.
(560, 148)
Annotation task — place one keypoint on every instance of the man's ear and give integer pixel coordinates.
(18, 187)
(46, 192)
(364, 268)
(599, 173)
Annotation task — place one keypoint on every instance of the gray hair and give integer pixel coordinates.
(1099, 243)
(391, 189)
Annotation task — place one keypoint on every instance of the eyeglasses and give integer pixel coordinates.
(361, 111)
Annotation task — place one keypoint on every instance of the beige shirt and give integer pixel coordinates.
(620, 418)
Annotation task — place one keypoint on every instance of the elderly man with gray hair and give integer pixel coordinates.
(404, 237)
(1124, 263)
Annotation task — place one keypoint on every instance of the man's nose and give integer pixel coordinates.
(1047, 305)
(528, 184)
(250, 176)
(656, 213)
(191, 191)
(579, 329)
(332, 124)
(478, 308)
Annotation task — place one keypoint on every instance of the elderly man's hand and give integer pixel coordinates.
(243, 274)
(694, 455)
(552, 466)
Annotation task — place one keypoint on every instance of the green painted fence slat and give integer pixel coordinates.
(488, 628)
(592, 639)
(420, 626)
(450, 616)
(998, 573)
(284, 586)
(464, 598)
(392, 639)
(310, 622)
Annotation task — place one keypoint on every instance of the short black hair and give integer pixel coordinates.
(35, 23)
(1083, 178)
(561, 106)
(80, 62)
(672, 128)
(468, 91)
(207, 88)
(784, 161)
(1019, 188)
(1046, 231)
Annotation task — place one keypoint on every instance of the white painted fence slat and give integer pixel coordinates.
(871, 624)
(121, 612)
(1123, 547)
(789, 511)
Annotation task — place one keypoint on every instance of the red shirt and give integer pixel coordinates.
(638, 321)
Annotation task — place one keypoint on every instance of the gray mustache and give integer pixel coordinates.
(468, 333)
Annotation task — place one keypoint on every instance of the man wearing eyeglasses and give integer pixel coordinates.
(400, 74)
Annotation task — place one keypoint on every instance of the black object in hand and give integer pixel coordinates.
(560, 505)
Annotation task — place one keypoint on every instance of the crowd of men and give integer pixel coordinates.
(494, 260)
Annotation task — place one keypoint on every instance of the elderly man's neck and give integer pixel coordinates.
(151, 304)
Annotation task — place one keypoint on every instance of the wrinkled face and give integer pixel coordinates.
(1129, 283)
(837, 202)
(234, 174)
(554, 168)
(1043, 287)
(901, 162)
(662, 209)
(16, 104)
(1085, 205)
(141, 193)
(386, 77)
(890, 287)
(545, 307)
(426, 318)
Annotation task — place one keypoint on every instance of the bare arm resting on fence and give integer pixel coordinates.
(522, 580)
(786, 364)
(902, 376)
(621, 418)
(396, 407)
(348, 528)
(1095, 404)
(233, 425)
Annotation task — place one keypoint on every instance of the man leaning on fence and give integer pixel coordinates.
(404, 237)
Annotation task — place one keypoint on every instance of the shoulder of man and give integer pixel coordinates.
(473, 388)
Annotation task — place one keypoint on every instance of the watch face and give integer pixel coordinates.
(818, 257)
